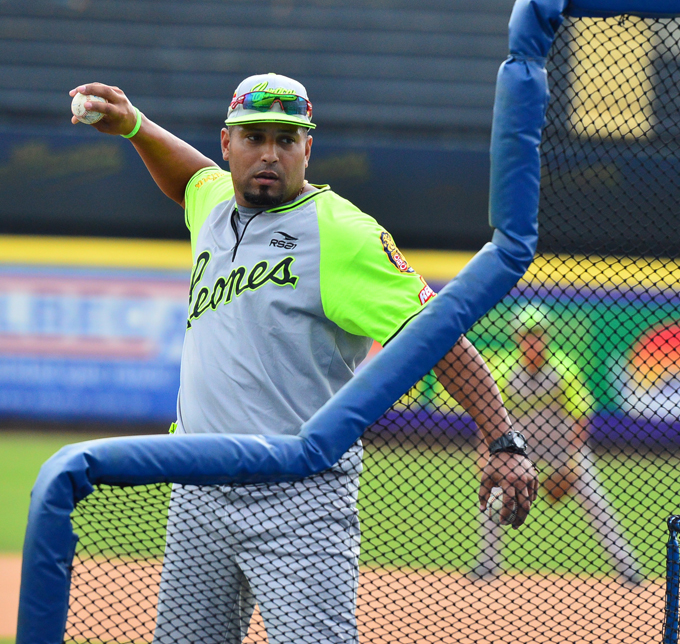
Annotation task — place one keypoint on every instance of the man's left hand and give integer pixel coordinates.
(517, 476)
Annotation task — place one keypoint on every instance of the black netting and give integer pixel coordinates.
(586, 350)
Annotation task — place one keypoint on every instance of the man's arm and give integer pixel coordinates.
(467, 378)
(171, 161)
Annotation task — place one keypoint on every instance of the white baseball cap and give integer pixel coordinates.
(267, 98)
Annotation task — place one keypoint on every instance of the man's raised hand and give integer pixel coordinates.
(119, 114)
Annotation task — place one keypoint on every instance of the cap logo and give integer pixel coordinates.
(262, 87)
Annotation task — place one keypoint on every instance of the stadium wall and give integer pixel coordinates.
(429, 195)
(432, 195)
(91, 330)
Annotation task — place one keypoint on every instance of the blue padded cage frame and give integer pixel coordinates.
(72, 474)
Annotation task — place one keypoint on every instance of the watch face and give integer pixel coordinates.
(519, 440)
(509, 443)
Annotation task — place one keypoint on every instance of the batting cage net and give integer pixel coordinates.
(586, 351)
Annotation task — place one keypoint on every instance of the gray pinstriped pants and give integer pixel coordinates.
(291, 548)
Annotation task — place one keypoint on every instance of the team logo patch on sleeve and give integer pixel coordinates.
(394, 254)
(426, 293)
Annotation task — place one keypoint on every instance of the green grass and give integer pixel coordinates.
(126, 522)
(418, 509)
(22, 455)
(421, 510)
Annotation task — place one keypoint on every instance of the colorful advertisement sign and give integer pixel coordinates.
(613, 322)
(90, 343)
(100, 337)
(92, 329)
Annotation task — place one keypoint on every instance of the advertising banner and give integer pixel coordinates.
(90, 343)
(614, 325)
(92, 330)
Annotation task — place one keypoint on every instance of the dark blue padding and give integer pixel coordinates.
(607, 8)
(72, 473)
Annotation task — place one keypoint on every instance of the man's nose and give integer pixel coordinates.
(270, 153)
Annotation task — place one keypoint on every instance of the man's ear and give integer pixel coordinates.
(308, 149)
(225, 139)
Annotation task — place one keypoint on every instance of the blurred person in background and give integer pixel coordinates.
(549, 403)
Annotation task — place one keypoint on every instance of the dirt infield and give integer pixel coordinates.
(400, 607)
(10, 574)
(394, 607)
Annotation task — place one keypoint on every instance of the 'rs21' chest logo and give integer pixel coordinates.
(284, 240)
(238, 281)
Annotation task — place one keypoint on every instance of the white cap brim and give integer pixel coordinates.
(269, 117)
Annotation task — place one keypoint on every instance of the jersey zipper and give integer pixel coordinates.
(234, 214)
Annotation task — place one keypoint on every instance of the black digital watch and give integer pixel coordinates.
(513, 442)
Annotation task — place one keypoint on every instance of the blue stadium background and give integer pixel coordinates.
(402, 95)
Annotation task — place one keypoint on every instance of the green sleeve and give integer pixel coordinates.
(367, 287)
(577, 400)
(208, 187)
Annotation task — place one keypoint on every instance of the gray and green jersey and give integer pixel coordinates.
(283, 307)
(545, 405)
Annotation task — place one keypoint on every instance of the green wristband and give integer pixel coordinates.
(135, 129)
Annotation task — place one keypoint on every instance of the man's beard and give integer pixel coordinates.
(263, 198)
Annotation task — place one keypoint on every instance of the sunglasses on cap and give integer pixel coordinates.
(291, 104)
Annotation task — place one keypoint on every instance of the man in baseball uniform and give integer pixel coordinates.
(290, 285)
(550, 404)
